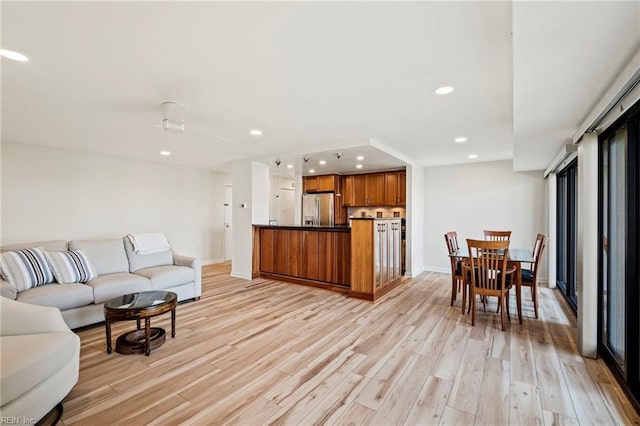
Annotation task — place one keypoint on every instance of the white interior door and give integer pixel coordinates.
(287, 204)
(227, 198)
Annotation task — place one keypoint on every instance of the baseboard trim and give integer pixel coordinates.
(243, 276)
(212, 261)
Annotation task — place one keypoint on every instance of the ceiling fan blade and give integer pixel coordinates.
(208, 134)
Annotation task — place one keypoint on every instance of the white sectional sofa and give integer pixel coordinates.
(120, 271)
(40, 361)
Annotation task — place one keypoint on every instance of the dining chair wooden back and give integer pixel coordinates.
(497, 235)
(457, 281)
(487, 274)
(530, 276)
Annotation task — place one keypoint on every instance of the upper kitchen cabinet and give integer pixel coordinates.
(355, 189)
(322, 183)
(375, 189)
(395, 188)
(364, 190)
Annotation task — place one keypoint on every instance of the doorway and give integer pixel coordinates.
(227, 197)
(619, 251)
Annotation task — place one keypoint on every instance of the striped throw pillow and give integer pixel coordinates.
(70, 266)
(25, 269)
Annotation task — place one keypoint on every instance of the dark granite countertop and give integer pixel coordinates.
(336, 228)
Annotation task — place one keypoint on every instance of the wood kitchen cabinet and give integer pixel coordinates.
(355, 190)
(314, 256)
(322, 183)
(364, 190)
(364, 261)
(375, 189)
(395, 188)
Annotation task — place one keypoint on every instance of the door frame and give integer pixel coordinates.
(226, 204)
(629, 380)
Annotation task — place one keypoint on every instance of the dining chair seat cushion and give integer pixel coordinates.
(527, 276)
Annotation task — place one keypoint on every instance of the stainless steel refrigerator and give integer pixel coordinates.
(317, 209)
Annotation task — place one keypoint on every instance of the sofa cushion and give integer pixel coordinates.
(30, 358)
(58, 295)
(142, 261)
(52, 245)
(168, 276)
(25, 268)
(107, 256)
(107, 287)
(70, 266)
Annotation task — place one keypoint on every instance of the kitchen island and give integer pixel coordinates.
(316, 256)
(363, 261)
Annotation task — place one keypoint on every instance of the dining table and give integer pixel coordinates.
(516, 258)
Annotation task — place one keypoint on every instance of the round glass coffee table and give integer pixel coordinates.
(138, 306)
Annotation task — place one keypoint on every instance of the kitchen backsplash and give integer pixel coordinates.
(373, 211)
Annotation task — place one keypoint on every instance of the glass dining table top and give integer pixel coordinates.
(521, 255)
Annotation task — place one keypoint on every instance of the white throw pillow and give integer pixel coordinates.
(26, 268)
(71, 266)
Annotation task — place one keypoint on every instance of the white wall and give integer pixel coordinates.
(470, 198)
(250, 206)
(416, 217)
(282, 199)
(50, 193)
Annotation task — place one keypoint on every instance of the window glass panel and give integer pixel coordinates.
(605, 241)
(617, 228)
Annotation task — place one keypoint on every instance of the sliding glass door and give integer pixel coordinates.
(567, 202)
(619, 254)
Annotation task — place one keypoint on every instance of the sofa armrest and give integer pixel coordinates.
(7, 290)
(23, 318)
(193, 263)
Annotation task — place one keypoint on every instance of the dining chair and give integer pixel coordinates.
(457, 279)
(487, 274)
(530, 276)
(490, 235)
(497, 235)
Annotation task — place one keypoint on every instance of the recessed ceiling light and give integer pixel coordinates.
(444, 90)
(322, 162)
(358, 166)
(10, 54)
(165, 153)
(359, 158)
(256, 132)
(472, 156)
(311, 171)
(289, 166)
(460, 140)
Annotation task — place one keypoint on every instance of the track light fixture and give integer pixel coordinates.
(306, 159)
(338, 155)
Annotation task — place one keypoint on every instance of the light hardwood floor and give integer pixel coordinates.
(256, 352)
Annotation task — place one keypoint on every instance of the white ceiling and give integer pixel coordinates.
(566, 54)
(310, 75)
